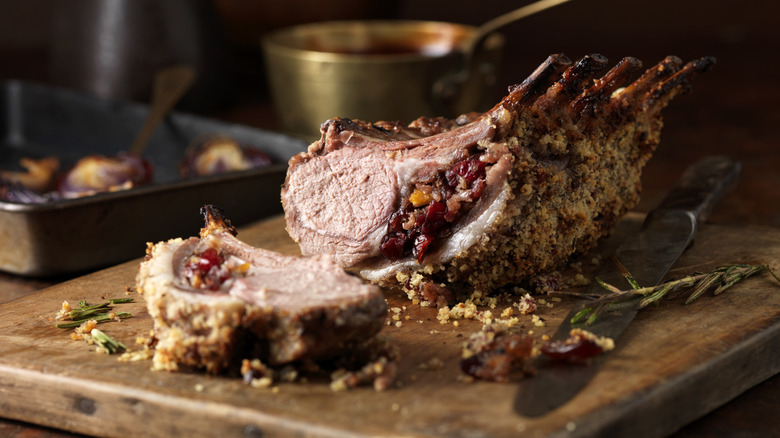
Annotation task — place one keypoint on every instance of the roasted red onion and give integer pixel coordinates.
(221, 155)
(96, 173)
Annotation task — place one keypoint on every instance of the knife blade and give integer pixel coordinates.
(666, 232)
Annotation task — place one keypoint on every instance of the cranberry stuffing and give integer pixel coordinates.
(205, 270)
(497, 360)
(578, 351)
(425, 223)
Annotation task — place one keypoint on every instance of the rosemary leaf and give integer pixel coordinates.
(582, 314)
(107, 343)
(706, 283)
(86, 310)
(627, 275)
(120, 300)
(607, 286)
(657, 295)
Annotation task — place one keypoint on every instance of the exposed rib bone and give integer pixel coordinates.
(679, 83)
(651, 78)
(601, 91)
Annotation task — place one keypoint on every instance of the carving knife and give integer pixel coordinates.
(666, 232)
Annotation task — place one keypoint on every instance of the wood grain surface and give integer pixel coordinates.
(675, 362)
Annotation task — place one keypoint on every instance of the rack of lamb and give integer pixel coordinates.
(485, 200)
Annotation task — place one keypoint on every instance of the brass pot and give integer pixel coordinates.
(377, 70)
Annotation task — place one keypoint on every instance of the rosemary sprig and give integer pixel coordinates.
(720, 278)
(103, 317)
(102, 312)
(107, 343)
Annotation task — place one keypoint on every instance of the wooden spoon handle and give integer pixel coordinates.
(170, 84)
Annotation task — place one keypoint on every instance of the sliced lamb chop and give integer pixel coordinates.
(484, 201)
(216, 300)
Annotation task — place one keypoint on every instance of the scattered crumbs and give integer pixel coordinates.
(199, 387)
(64, 311)
(531, 332)
(603, 342)
(571, 426)
(526, 304)
(545, 337)
(398, 323)
(395, 407)
(595, 261)
(538, 322)
(578, 280)
(135, 356)
(455, 324)
(555, 299)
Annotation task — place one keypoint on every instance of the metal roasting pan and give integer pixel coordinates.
(77, 235)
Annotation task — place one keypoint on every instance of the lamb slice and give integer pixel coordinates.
(216, 300)
(485, 201)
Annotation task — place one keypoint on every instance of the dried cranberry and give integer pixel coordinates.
(434, 217)
(421, 243)
(572, 352)
(209, 259)
(470, 170)
(392, 246)
(397, 220)
(452, 178)
(477, 189)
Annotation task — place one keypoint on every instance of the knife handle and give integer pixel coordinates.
(701, 187)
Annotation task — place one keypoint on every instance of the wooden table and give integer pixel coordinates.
(733, 111)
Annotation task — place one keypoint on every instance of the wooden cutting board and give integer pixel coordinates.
(674, 364)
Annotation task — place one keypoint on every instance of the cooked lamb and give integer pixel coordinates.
(484, 200)
(216, 300)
